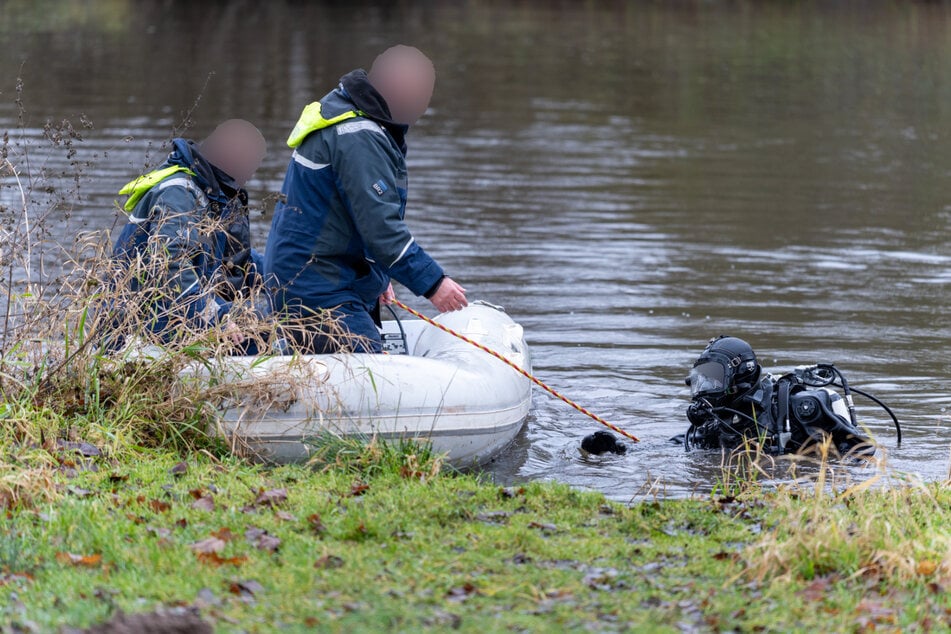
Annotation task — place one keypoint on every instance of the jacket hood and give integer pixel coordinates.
(212, 180)
(364, 96)
(356, 85)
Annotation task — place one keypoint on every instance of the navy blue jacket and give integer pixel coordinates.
(338, 233)
(195, 216)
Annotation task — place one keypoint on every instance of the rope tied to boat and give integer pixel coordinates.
(514, 366)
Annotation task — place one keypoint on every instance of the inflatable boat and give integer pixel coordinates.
(430, 387)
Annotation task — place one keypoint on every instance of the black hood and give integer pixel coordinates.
(372, 104)
(212, 179)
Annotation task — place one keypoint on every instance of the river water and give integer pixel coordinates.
(627, 179)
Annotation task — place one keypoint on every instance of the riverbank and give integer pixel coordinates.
(380, 539)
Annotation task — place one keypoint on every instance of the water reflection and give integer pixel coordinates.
(627, 179)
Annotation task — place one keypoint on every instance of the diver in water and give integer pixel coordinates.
(734, 401)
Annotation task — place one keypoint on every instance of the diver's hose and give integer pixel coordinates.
(741, 415)
(884, 407)
(835, 372)
(849, 402)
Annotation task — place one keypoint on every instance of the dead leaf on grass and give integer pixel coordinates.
(224, 533)
(926, 567)
(159, 531)
(329, 562)
(216, 559)
(159, 506)
(493, 517)
(559, 594)
(545, 527)
(817, 590)
(261, 539)
(268, 498)
(871, 613)
(411, 474)
(358, 489)
(458, 594)
(9, 577)
(601, 578)
(316, 524)
(206, 598)
(209, 545)
(86, 561)
(180, 468)
(245, 588)
(82, 448)
(204, 504)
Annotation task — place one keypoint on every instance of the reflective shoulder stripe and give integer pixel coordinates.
(357, 126)
(306, 162)
(403, 252)
(188, 184)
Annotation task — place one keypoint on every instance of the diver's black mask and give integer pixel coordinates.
(726, 367)
(707, 378)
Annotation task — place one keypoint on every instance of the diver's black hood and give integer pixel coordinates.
(372, 104)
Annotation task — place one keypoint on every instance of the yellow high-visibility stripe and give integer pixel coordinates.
(312, 120)
(139, 187)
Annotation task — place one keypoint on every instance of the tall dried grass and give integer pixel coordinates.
(883, 529)
(78, 358)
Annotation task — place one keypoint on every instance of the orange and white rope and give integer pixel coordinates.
(515, 367)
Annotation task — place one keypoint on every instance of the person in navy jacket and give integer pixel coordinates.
(338, 235)
(188, 235)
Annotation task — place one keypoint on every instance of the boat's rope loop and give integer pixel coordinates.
(515, 367)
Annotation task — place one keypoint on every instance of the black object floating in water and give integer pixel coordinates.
(602, 442)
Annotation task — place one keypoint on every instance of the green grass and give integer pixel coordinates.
(370, 544)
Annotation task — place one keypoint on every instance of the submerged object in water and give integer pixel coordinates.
(601, 442)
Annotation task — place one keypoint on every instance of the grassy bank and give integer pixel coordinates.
(379, 540)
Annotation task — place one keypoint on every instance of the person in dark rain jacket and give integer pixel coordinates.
(338, 235)
(188, 233)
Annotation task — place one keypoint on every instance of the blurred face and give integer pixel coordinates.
(237, 148)
(406, 79)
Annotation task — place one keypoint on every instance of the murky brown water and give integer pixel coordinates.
(627, 179)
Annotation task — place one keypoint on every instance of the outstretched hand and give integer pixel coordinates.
(449, 296)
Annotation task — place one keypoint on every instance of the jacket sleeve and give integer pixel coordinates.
(367, 175)
(180, 253)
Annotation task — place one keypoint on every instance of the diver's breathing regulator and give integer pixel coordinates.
(822, 375)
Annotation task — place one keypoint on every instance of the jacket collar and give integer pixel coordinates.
(358, 90)
(213, 181)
